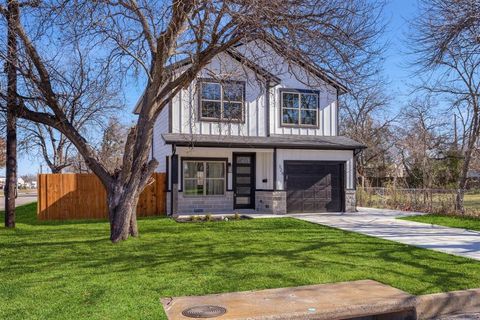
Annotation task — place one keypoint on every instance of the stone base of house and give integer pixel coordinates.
(274, 202)
(202, 205)
(271, 202)
(350, 200)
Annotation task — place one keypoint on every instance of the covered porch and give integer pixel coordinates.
(277, 174)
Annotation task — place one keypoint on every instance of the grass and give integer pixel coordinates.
(472, 201)
(471, 223)
(70, 270)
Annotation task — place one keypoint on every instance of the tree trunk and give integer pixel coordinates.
(11, 168)
(122, 204)
(459, 200)
(462, 183)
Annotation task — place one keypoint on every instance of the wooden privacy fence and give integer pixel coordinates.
(82, 196)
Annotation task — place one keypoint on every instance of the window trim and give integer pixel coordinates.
(200, 81)
(205, 160)
(299, 92)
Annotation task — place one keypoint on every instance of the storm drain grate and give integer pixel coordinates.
(204, 312)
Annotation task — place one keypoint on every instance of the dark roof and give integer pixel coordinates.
(278, 141)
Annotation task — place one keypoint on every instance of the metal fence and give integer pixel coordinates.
(423, 200)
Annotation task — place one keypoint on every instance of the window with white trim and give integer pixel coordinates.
(299, 108)
(203, 178)
(221, 101)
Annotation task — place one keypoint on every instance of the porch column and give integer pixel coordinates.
(274, 169)
(174, 186)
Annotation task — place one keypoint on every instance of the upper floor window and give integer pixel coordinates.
(222, 101)
(299, 108)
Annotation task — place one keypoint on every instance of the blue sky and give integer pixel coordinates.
(397, 13)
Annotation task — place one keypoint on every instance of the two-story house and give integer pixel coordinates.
(258, 132)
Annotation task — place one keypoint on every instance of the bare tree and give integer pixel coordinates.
(421, 141)
(88, 100)
(113, 145)
(364, 118)
(446, 41)
(444, 24)
(153, 37)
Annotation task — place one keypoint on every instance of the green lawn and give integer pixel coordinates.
(72, 271)
(449, 221)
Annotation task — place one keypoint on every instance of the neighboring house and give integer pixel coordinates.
(20, 183)
(248, 134)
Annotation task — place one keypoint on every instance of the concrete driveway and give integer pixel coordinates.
(383, 224)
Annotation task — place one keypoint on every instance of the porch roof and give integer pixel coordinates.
(273, 141)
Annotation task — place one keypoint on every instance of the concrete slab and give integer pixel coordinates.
(329, 301)
(383, 223)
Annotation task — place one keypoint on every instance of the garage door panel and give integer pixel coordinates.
(309, 207)
(314, 186)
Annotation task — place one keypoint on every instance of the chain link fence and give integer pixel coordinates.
(441, 201)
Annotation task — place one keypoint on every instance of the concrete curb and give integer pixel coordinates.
(355, 300)
(439, 304)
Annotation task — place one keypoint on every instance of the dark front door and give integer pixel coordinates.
(314, 186)
(243, 180)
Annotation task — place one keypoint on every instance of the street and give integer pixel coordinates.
(21, 200)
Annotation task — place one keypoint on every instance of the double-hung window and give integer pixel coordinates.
(299, 108)
(222, 101)
(203, 178)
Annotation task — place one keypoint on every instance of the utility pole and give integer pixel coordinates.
(11, 166)
(455, 139)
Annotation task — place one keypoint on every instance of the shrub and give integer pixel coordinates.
(208, 217)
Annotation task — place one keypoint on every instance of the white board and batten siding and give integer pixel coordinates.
(185, 106)
(185, 114)
(263, 162)
(293, 76)
(160, 150)
(327, 112)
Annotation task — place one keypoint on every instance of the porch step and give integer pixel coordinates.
(363, 299)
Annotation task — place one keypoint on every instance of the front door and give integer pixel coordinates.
(244, 180)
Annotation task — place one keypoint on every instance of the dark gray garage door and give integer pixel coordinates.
(314, 186)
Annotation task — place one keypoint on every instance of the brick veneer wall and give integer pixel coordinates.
(203, 205)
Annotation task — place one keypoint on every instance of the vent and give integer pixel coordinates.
(202, 312)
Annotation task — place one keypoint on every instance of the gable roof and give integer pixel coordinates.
(232, 53)
(313, 69)
(277, 45)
